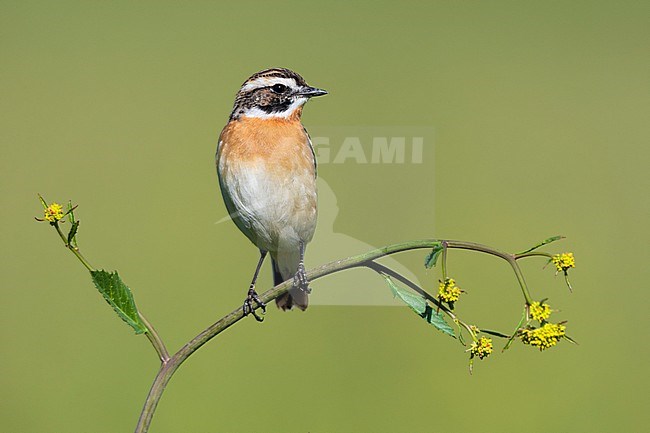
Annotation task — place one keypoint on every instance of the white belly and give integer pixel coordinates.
(277, 210)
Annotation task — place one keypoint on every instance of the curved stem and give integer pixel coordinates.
(521, 280)
(169, 364)
(510, 258)
(155, 339)
(160, 382)
(533, 254)
(151, 332)
(71, 247)
(445, 247)
(169, 367)
(381, 269)
(378, 267)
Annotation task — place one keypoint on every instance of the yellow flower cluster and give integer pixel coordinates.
(53, 212)
(539, 311)
(448, 291)
(544, 337)
(481, 348)
(564, 261)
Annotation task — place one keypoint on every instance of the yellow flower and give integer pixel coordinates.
(543, 337)
(564, 261)
(481, 348)
(53, 212)
(539, 311)
(448, 291)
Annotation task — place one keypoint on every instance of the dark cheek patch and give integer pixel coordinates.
(264, 99)
(272, 103)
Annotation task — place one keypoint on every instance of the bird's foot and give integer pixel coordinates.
(249, 308)
(300, 279)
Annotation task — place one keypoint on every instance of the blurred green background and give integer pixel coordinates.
(540, 112)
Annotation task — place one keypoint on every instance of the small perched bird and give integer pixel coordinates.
(267, 175)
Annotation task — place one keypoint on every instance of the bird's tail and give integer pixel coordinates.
(295, 296)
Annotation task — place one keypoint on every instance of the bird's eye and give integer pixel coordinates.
(279, 88)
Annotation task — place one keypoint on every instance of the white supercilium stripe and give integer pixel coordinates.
(269, 81)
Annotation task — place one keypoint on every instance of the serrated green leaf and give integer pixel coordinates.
(418, 304)
(431, 258)
(541, 244)
(119, 296)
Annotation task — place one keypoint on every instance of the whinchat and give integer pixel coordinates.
(267, 175)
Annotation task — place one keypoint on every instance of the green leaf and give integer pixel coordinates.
(416, 302)
(436, 319)
(431, 258)
(541, 244)
(42, 200)
(119, 296)
(73, 232)
(420, 306)
(460, 336)
(516, 331)
(72, 240)
(570, 340)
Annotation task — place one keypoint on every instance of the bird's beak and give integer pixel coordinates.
(310, 92)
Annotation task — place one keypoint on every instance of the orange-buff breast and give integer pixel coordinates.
(282, 143)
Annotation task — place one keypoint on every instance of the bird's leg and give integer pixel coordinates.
(300, 279)
(252, 296)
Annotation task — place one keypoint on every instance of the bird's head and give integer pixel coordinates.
(273, 93)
